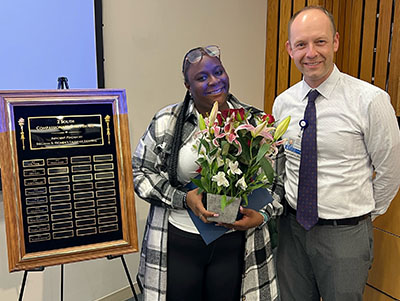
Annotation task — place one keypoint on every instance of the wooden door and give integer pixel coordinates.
(370, 50)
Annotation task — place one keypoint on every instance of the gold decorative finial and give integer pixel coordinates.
(107, 119)
(21, 123)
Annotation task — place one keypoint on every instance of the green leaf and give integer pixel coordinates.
(198, 183)
(245, 156)
(246, 200)
(225, 147)
(262, 151)
(213, 152)
(223, 202)
(205, 144)
(267, 168)
(204, 184)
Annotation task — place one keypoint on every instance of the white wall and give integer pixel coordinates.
(145, 42)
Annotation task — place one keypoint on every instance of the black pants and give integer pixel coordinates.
(197, 271)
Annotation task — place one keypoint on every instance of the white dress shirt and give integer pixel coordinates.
(357, 135)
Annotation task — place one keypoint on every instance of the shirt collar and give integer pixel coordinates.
(326, 88)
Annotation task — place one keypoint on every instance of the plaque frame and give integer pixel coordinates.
(19, 258)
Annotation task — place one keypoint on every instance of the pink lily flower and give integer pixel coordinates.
(259, 130)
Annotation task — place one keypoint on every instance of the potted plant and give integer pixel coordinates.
(235, 150)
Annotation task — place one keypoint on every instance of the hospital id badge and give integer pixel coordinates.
(293, 147)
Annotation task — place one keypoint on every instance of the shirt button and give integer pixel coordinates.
(244, 298)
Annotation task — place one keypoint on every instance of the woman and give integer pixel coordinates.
(175, 262)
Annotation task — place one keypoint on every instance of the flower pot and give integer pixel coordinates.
(230, 212)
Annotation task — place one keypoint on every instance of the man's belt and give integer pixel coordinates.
(335, 222)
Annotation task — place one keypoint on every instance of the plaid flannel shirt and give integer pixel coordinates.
(150, 162)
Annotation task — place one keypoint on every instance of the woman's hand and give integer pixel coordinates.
(193, 201)
(250, 219)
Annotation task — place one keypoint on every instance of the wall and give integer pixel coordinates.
(144, 44)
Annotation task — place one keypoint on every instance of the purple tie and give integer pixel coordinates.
(307, 210)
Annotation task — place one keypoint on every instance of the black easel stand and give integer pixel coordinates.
(110, 257)
(41, 269)
(62, 83)
(21, 292)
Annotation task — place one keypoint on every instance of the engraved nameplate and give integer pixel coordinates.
(106, 202)
(58, 180)
(105, 184)
(85, 213)
(81, 168)
(36, 191)
(62, 225)
(108, 228)
(60, 207)
(63, 234)
(105, 193)
(106, 210)
(83, 195)
(83, 204)
(86, 231)
(57, 161)
(60, 197)
(108, 219)
(85, 222)
(34, 172)
(81, 178)
(104, 166)
(57, 170)
(81, 160)
(37, 210)
(61, 216)
(59, 188)
(39, 237)
(39, 228)
(33, 163)
(37, 200)
(102, 158)
(82, 186)
(104, 175)
(38, 219)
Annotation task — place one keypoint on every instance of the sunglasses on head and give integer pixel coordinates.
(195, 55)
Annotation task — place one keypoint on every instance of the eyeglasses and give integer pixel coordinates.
(195, 55)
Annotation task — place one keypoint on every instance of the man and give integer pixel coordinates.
(341, 168)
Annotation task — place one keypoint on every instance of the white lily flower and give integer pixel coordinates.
(234, 168)
(220, 179)
(241, 183)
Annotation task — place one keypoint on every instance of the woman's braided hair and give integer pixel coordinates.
(177, 142)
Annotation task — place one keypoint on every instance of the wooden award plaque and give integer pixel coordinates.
(67, 176)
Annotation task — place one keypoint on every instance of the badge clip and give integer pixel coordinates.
(303, 123)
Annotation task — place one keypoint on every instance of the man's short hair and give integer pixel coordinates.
(321, 8)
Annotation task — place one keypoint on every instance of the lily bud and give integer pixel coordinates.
(282, 127)
(202, 123)
(213, 114)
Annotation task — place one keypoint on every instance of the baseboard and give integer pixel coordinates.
(121, 295)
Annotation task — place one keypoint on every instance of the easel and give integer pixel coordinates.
(41, 269)
(63, 84)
